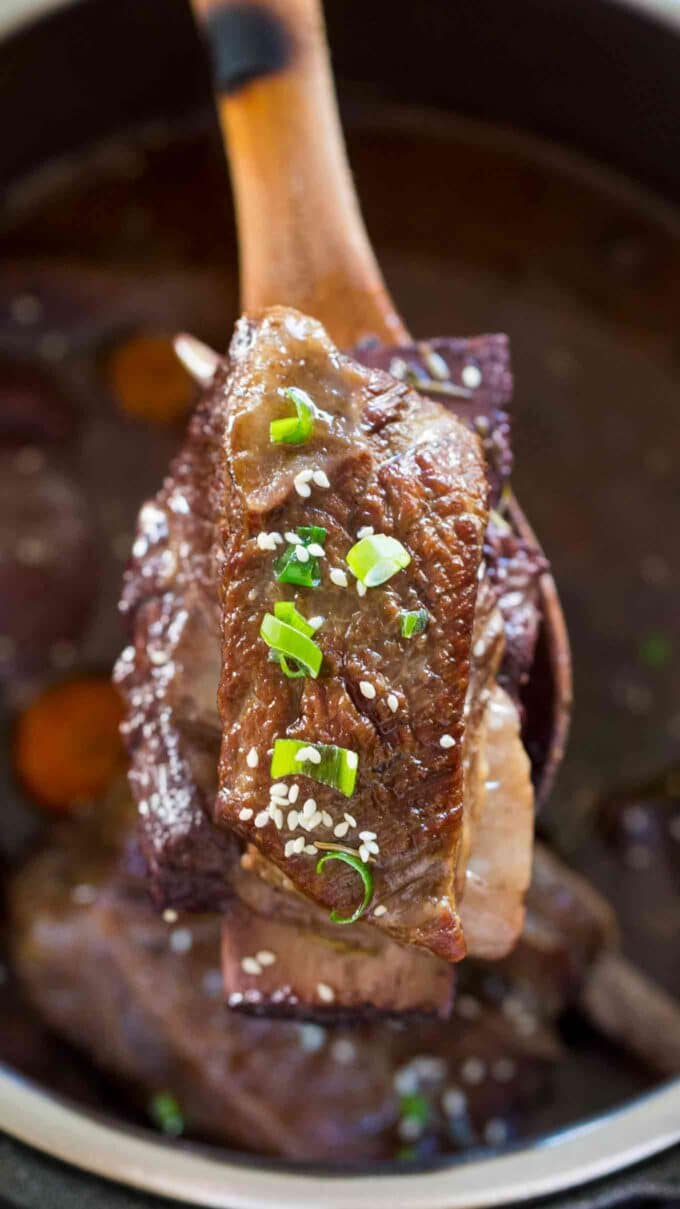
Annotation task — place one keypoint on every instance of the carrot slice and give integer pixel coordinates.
(149, 381)
(67, 746)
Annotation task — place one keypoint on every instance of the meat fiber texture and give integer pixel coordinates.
(170, 672)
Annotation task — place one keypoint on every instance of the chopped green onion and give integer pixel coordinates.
(294, 430)
(656, 650)
(375, 559)
(364, 873)
(334, 766)
(293, 672)
(288, 568)
(292, 643)
(413, 622)
(414, 1106)
(285, 611)
(166, 1113)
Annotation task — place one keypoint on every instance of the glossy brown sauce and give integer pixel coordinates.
(475, 231)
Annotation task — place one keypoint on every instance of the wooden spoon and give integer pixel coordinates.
(303, 242)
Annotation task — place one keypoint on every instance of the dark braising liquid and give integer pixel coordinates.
(475, 232)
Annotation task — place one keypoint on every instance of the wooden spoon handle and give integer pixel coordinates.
(301, 235)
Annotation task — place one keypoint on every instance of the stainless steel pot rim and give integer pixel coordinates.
(17, 12)
(199, 1176)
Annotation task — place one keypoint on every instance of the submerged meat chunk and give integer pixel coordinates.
(404, 467)
(142, 998)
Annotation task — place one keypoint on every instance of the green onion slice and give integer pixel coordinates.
(289, 570)
(166, 1113)
(297, 429)
(285, 611)
(291, 643)
(413, 622)
(292, 671)
(376, 559)
(364, 873)
(337, 766)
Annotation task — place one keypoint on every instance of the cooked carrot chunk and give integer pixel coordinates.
(67, 747)
(148, 381)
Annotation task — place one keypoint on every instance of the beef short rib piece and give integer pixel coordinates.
(169, 674)
(403, 466)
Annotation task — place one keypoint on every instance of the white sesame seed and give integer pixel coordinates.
(409, 1129)
(367, 689)
(393, 702)
(473, 1071)
(252, 759)
(344, 1051)
(181, 940)
(276, 538)
(364, 853)
(316, 622)
(309, 808)
(436, 365)
(170, 916)
(471, 376)
(496, 1131)
(289, 848)
(365, 531)
(261, 819)
(372, 847)
(278, 790)
(326, 819)
(338, 577)
(292, 820)
(352, 759)
(245, 814)
(313, 755)
(265, 542)
(406, 1080)
(361, 588)
(326, 994)
(381, 909)
(278, 819)
(317, 550)
(340, 830)
(299, 844)
(265, 957)
(468, 1007)
(250, 965)
(302, 554)
(350, 819)
(447, 741)
(293, 793)
(305, 476)
(291, 538)
(311, 849)
(303, 489)
(504, 1070)
(454, 1102)
(321, 478)
(367, 835)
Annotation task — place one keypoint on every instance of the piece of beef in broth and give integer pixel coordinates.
(379, 457)
(141, 997)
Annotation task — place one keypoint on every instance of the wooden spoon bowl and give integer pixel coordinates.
(303, 243)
